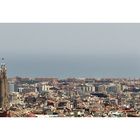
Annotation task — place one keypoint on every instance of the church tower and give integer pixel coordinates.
(4, 103)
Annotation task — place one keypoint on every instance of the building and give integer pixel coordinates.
(38, 88)
(46, 88)
(12, 87)
(113, 88)
(86, 88)
(4, 103)
(100, 88)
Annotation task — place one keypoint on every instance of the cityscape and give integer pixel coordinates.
(71, 97)
(69, 70)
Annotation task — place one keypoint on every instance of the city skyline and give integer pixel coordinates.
(71, 50)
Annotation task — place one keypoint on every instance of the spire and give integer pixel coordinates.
(3, 86)
(2, 64)
(3, 68)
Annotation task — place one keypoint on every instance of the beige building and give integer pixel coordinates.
(4, 103)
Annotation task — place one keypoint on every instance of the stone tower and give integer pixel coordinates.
(3, 88)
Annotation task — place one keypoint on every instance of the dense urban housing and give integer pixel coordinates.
(71, 97)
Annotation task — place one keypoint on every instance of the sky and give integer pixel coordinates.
(71, 49)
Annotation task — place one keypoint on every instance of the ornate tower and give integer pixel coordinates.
(3, 88)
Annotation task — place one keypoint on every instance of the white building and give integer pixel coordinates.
(46, 88)
(86, 88)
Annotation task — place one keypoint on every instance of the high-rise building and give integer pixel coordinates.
(3, 88)
(86, 88)
(11, 87)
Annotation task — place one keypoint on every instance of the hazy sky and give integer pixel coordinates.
(68, 50)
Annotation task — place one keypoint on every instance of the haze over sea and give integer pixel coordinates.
(71, 50)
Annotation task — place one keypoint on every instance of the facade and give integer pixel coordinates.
(86, 88)
(12, 87)
(101, 88)
(46, 88)
(3, 88)
(113, 88)
(38, 88)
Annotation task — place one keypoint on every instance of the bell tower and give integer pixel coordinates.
(4, 103)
